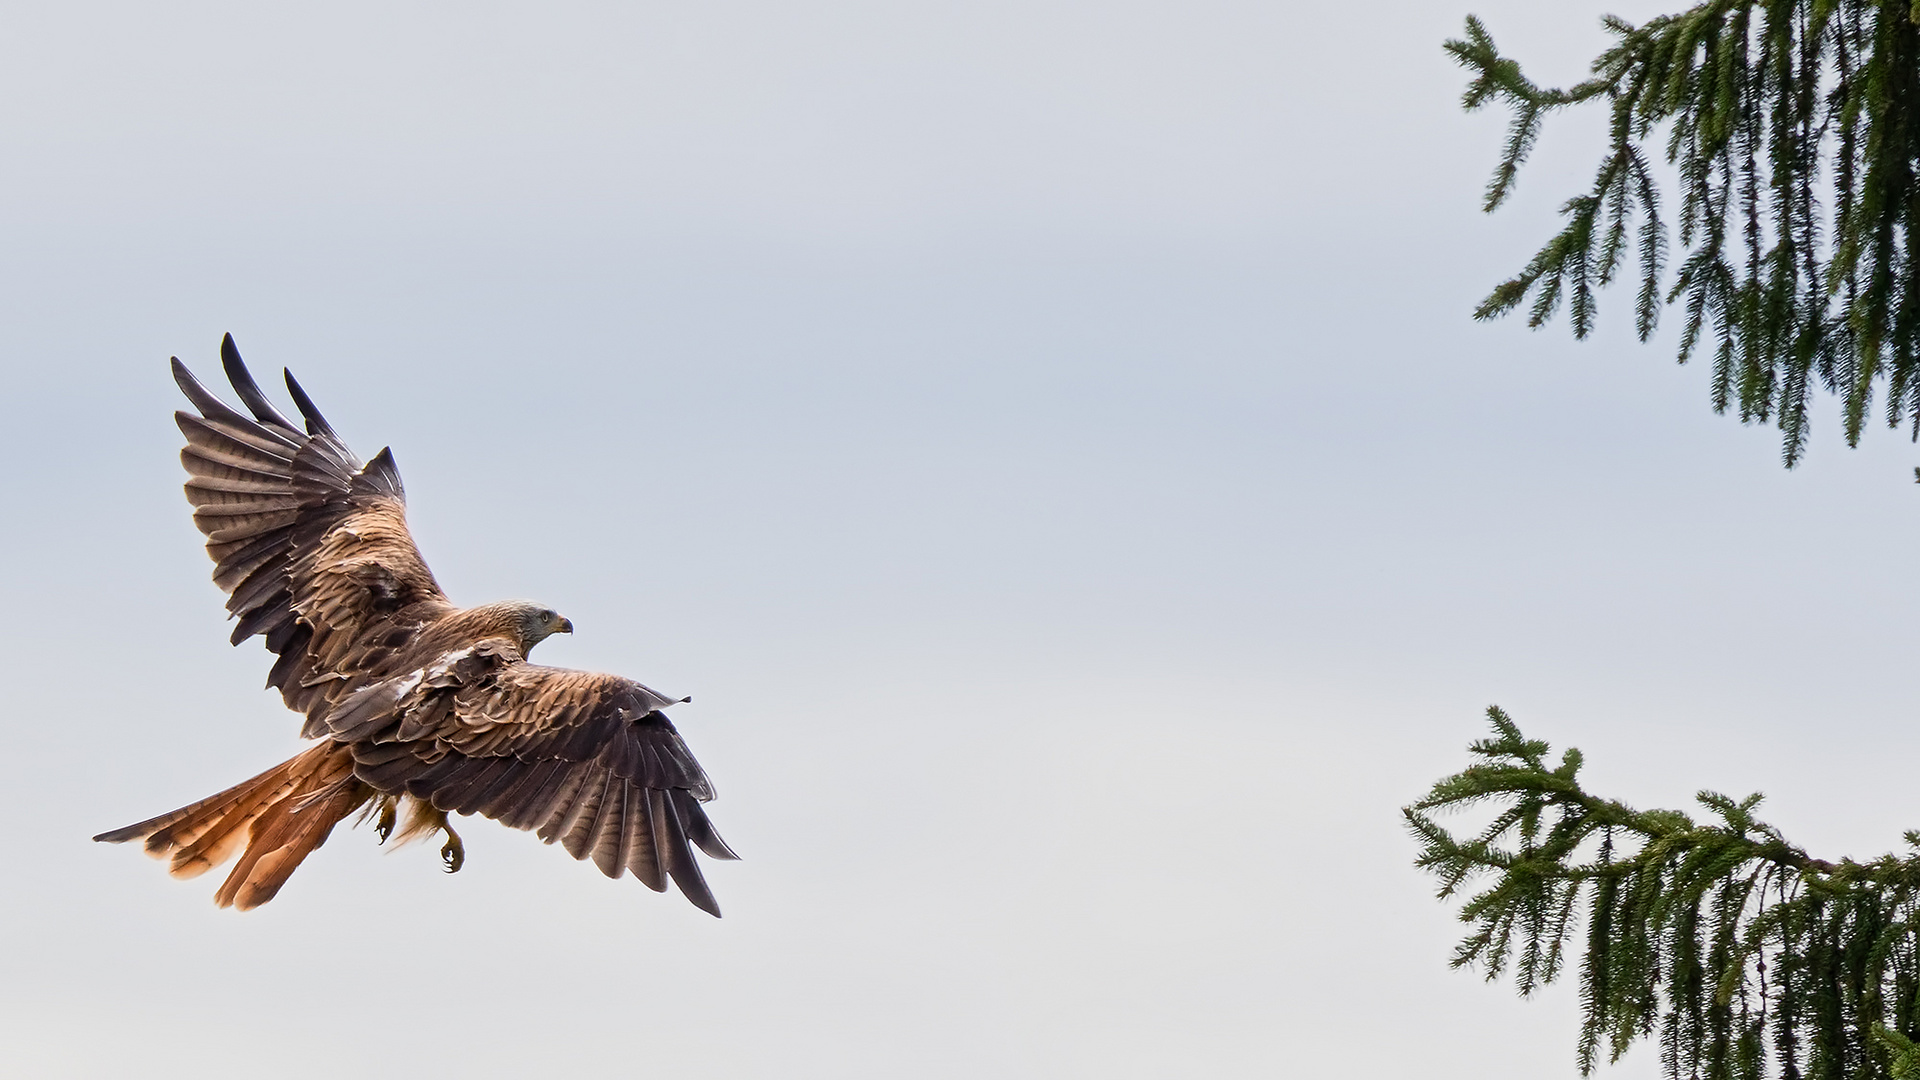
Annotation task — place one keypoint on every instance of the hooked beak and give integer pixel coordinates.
(564, 626)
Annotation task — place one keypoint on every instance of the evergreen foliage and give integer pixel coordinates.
(1791, 131)
(1744, 955)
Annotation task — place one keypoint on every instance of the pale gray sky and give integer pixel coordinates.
(1046, 439)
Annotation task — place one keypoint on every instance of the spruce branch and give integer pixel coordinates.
(1792, 129)
(1744, 955)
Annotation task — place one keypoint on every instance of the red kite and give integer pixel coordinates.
(416, 703)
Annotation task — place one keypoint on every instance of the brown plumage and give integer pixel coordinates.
(419, 703)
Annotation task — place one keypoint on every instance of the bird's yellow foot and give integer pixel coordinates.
(384, 827)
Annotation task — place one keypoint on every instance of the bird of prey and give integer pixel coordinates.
(419, 706)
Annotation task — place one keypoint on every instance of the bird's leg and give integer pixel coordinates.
(424, 818)
(388, 814)
(453, 851)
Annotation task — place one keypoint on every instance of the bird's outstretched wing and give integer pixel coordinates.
(311, 546)
(583, 758)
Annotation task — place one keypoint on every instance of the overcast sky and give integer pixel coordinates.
(1049, 442)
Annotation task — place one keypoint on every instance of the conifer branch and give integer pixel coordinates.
(1746, 956)
(1793, 131)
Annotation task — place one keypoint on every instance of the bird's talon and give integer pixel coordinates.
(453, 852)
(384, 827)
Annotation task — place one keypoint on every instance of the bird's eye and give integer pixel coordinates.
(549, 616)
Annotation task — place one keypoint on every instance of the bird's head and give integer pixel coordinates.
(536, 623)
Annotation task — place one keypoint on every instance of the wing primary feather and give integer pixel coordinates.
(267, 578)
(421, 784)
(643, 857)
(249, 391)
(211, 407)
(610, 833)
(203, 467)
(237, 441)
(603, 819)
(534, 803)
(270, 614)
(475, 777)
(680, 864)
(206, 489)
(221, 528)
(216, 412)
(316, 424)
(485, 793)
(560, 804)
(504, 799)
(511, 805)
(662, 824)
(290, 638)
(283, 668)
(233, 567)
(587, 813)
(699, 829)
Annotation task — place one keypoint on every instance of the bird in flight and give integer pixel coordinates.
(419, 706)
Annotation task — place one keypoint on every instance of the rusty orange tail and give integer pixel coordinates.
(274, 820)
